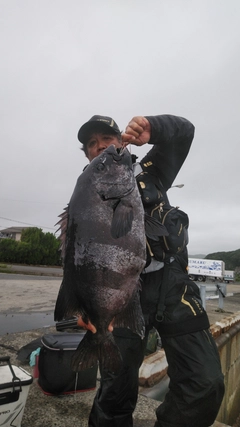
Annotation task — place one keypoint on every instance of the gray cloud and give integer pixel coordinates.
(63, 61)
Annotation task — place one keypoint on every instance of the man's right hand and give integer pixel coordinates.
(90, 327)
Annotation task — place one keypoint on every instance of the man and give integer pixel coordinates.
(170, 301)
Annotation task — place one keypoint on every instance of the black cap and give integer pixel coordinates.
(103, 122)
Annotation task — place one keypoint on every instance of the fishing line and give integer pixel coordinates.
(75, 389)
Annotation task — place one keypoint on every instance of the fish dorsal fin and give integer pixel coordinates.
(122, 220)
(63, 222)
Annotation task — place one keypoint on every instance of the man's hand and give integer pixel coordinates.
(138, 131)
(90, 327)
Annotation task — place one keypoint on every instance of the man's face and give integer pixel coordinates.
(98, 142)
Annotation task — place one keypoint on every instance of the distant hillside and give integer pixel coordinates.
(200, 256)
(231, 259)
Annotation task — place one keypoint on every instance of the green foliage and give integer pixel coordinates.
(50, 245)
(35, 248)
(237, 274)
(237, 277)
(8, 250)
(33, 236)
(4, 268)
(231, 259)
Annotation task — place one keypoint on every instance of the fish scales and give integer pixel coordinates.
(104, 255)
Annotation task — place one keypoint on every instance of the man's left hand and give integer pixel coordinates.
(138, 131)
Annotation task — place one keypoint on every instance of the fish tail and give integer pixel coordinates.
(86, 355)
(93, 349)
(110, 358)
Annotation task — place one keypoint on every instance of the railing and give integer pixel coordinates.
(219, 290)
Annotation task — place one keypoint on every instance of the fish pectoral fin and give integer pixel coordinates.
(122, 220)
(154, 228)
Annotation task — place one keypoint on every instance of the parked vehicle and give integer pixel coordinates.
(229, 276)
(200, 269)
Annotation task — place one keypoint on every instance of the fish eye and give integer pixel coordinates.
(100, 167)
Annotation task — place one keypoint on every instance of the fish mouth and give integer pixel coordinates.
(114, 173)
(117, 152)
(120, 150)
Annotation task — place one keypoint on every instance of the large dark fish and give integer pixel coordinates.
(104, 254)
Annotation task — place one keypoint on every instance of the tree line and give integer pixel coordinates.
(231, 259)
(39, 248)
(35, 248)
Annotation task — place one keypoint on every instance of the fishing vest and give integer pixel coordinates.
(156, 204)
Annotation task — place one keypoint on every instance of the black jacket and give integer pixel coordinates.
(171, 137)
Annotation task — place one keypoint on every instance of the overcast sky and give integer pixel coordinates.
(63, 61)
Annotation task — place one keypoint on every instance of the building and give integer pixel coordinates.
(12, 233)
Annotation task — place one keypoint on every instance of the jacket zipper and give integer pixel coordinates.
(164, 218)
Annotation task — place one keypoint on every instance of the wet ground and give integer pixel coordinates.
(27, 301)
(11, 323)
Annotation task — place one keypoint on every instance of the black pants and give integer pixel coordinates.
(196, 385)
(196, 382)
(117, 396)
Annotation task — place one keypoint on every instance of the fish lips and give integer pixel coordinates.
(114, 165)
(111, 153)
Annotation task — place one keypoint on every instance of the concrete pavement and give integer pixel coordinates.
(30, 294)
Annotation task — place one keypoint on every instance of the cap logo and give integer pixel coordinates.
(107, 121)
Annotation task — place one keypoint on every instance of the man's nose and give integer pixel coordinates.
(102, 145)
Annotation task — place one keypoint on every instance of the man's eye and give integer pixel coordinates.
(91, 143)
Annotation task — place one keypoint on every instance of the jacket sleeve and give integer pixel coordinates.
(171, 137)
